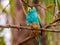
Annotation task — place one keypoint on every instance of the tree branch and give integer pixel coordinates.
(30, 37)
(36, 5)
(26, 39)
(30, 28)
(54, 21)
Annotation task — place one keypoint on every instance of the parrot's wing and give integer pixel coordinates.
(31, 16)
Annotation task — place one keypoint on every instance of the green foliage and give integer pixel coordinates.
(2, 38)
(12, 8)
(0, 6)
(48, 19)
(26, 7)
(3, 10)
(59, 4)
(58, 23)
(2, 41)
(49, 15)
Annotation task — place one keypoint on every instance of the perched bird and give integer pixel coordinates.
(33, 21)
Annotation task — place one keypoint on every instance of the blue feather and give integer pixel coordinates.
(32, 17)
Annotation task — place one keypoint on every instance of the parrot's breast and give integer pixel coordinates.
(32, 17)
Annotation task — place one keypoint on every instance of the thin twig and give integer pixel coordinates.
(23, 27)
(36, 5)
(4, 8)
(29, 28)
(54, 21)
(26, 39)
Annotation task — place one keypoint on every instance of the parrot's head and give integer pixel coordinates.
(33, 10)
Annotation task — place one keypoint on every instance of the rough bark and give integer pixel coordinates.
(20, 19)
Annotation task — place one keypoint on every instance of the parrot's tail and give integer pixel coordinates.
(41, 30)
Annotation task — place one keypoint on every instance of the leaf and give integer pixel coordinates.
(51, 6)
(26, 7)
(59, 5)
(12, 8)
(49, 17)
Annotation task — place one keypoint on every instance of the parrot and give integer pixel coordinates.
(32, 19)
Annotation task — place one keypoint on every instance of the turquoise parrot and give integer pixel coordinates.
(33, 20)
